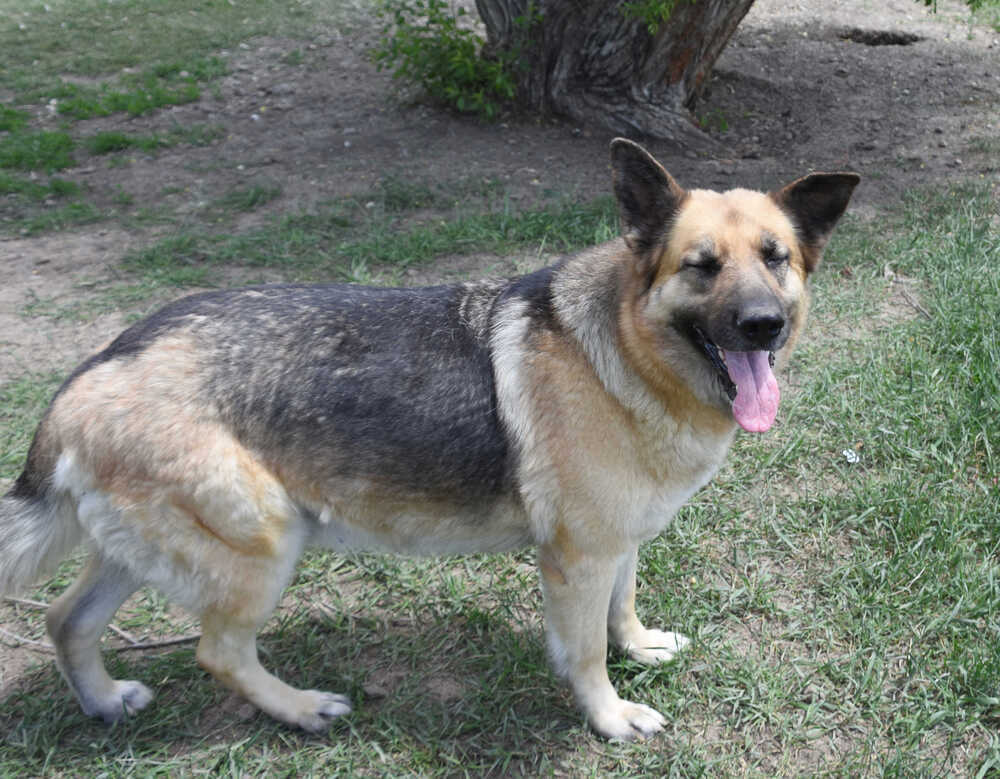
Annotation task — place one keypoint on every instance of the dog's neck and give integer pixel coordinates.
(595, 298)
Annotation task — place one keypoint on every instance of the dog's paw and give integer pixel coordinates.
(626, 721)
(123, 699)
(319, 709)
(656, 646)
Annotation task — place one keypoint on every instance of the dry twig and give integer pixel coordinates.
(914, 302)
(134, 643)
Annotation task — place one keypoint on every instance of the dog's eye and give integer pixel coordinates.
(708, 266)
(775, 257)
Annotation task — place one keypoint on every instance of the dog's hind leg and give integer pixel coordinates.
(250, 571)
(228, 651)
(625, 629)
(76, 620)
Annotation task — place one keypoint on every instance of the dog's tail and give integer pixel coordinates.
(36, 532)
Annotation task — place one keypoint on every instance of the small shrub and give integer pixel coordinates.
(423, 43)
(651, 12)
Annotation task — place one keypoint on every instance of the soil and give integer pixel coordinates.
(906, 98)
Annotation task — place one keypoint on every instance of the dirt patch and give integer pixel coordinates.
(45, 277)
(444, 689)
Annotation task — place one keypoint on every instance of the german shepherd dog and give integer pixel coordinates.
(574, 409)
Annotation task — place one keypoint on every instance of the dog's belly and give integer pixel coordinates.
(422, 527)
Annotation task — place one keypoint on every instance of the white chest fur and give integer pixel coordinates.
(679, 462)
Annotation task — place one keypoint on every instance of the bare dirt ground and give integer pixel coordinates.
(791, 93)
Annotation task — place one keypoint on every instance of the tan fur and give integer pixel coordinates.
(643, 347)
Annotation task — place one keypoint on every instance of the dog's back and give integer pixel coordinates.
(352, 382)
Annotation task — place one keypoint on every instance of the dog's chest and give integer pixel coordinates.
(664, 504)
(678, 464)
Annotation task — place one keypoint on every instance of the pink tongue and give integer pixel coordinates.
(757, 393)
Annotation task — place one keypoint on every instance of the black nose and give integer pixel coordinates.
(760, 328)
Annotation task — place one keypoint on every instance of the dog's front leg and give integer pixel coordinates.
(624, 628)
(577, 587)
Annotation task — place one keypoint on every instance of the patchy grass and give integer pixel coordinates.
(845, 612)
(22, 402)
(83, 103)
(313, 245)
(46, 150)
(201, 134)
(36, 206)
(130, 58)
(112, 141)
(44, 41)
(11, 119)
(249, 197)
(59, 217)
(165, 84)
(90, 300)
(987, 13)
(34, 190)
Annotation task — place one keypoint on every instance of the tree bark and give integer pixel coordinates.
(590, 61)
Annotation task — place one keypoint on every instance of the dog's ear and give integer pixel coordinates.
(648, 197)
(815, 203)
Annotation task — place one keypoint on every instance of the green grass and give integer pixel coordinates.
(846, 616)
(165, 84)
(250, 197)
(34, 190)
(988, 14)
(45, 150)
(91, 299)
(80, 103)
(112, 140)
(37, 206)
(59, 218)
(312, 246)
(11, 119)
(22, 402)
(106, 38)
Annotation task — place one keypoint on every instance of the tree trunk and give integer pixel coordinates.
(588, 60)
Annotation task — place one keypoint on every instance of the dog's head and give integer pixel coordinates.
(718, 280)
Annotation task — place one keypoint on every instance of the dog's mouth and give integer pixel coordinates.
(747, 379)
